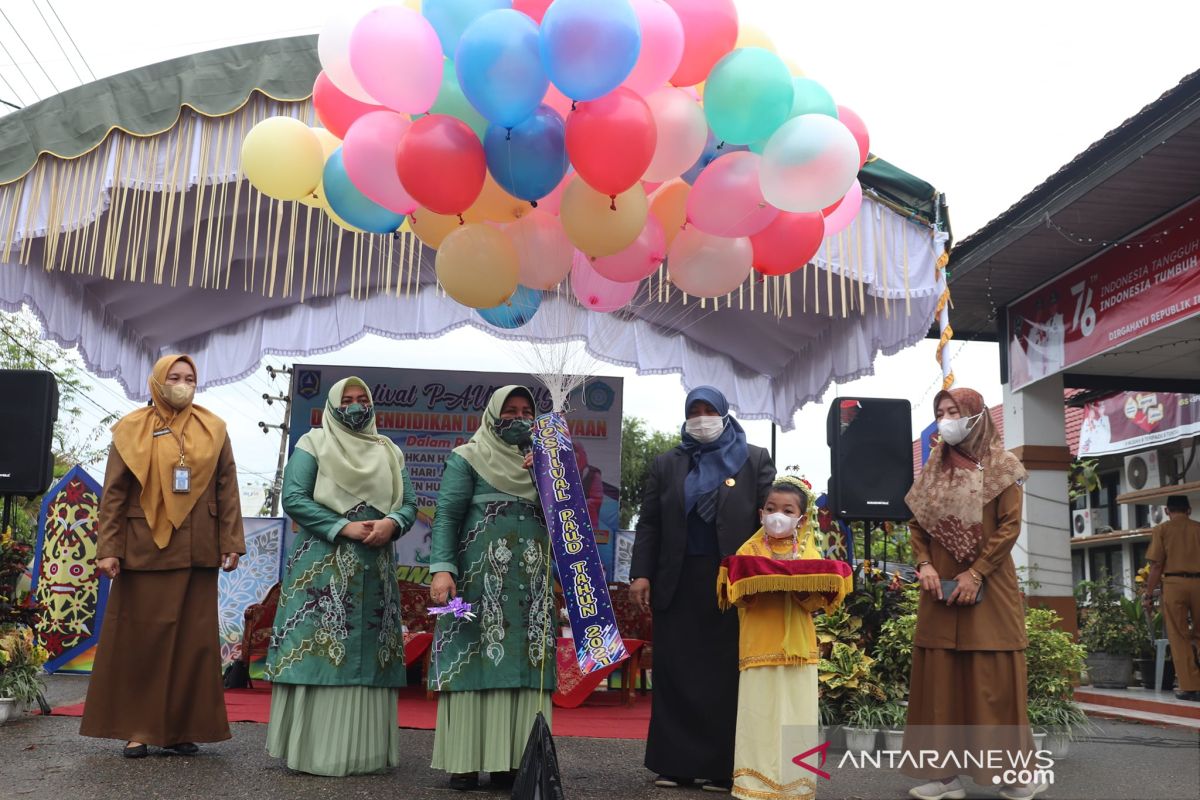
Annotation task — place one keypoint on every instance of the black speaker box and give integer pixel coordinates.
(28, 410)
(871, 463)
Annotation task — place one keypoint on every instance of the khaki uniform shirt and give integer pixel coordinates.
(1176, 544)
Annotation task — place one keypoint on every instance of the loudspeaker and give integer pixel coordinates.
(871, 458)
(28, 410)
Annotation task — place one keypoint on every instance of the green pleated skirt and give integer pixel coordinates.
(485, 731)
(334, 730)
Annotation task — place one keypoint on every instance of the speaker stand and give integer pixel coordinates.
(8, 498)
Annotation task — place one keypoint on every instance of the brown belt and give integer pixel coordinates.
(1181, 574)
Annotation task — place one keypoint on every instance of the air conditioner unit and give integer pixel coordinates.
(1141, 471)
(1081, 522)
(1158, 515)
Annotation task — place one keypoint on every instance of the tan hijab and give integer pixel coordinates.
(353, 466)
(948, 497)
(152, 459)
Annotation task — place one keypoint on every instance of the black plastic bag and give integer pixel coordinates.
(538, 777)
(237, 676)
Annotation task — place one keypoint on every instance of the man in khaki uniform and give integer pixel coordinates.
(1175, 559)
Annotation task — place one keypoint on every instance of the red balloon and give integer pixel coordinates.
(611, 140)
(535, 9)
(788, 243)
(337, 110)
(859, 129)
(441, 163)
(710, 30)
(825, 212)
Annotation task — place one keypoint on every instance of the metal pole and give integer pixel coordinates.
(774, 460)
(7, 518)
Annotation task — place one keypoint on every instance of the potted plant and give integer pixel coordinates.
(893, 715)
(864, 719)
(1053, 661)
(21, 663)
(1148, 626)
(1106, 633)
(848, 689)
(1055, 724)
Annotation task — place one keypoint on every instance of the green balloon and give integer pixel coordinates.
(748, 95)
(453, 102)
(811, 97)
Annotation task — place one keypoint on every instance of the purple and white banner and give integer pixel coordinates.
(597, 641)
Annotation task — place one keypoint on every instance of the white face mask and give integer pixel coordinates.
(953, 431)
(779, 525)
(704, 429)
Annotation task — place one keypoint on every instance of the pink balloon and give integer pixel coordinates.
(726, 199)
(710, 29)
(662, 46)
(859, 129)
(552, 202)
(840, 218)
(397, 58)
(638, 260)
(788, 243)
(534, 9)
(611, 140)
(336, 109)
(544, 253)
(708, 266)
(596, 292)
(649, 186)
(369, 154)
(557, 100)
(682, 133)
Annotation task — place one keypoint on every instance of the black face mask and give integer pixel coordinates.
(515, 431)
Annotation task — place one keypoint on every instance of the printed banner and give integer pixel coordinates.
(66, 582)
(1133, 421)
(257, 572)
(594, 627)
(1106, 302)
(430, 412)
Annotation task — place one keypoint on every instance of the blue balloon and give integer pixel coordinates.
(590, 46)
(450, 18)
(352, 205)
(519, 309)
(714, 148)
(531, 159)
(499, 68)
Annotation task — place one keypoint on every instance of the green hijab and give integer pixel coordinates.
(353, 466)
(501, 464)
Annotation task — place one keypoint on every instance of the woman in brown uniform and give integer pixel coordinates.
(170, 516)
(968, 687)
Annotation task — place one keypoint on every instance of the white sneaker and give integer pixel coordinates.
(1023, 792)
(936, 790)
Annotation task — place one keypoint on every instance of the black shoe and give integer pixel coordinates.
(184, 748)
(502, 780)
(140, 751)
(718, 786)
(464, 781)
(1193, 696)
(672, 782)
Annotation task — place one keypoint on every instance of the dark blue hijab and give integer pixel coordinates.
(711, 463)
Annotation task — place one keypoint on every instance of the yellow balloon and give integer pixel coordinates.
(477, 265)
(329, 143)
(669, 206)
(794, 68)
(496, 205)
(282, 157)
(415, 5)
(750, 36)
(599, 225)
(341, 223)
(432, 228)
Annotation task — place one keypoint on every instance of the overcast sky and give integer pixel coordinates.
(983, 100)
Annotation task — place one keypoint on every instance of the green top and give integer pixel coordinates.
(338, 622)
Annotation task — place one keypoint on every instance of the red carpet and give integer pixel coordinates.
(601, 717)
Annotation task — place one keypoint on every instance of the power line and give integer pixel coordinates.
(71, 39)
(30, 50)
(38, 359)
(61, 49)
(24, 77)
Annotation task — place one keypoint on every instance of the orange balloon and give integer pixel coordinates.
(477, 265)
(669, 206)
(496, 205)
(432, 228)
(599, 225)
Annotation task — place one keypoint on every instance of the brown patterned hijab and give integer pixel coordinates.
(948, 497)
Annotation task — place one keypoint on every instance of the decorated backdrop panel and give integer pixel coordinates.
(428, 413)
(257, 572)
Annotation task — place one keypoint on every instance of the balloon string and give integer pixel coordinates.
(461, 221)
(721, 146)
(613, 205)
(508, 136)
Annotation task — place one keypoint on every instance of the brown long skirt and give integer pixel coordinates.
(970, 707)
(157, 676)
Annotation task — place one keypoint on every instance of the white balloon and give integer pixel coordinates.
(333, 48)
(708, 266)
(682, 133)
(544, 252)
(808, 163)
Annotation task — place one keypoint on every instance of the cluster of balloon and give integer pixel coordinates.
(529, 140)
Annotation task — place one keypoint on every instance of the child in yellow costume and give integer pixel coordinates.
(777, 579)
